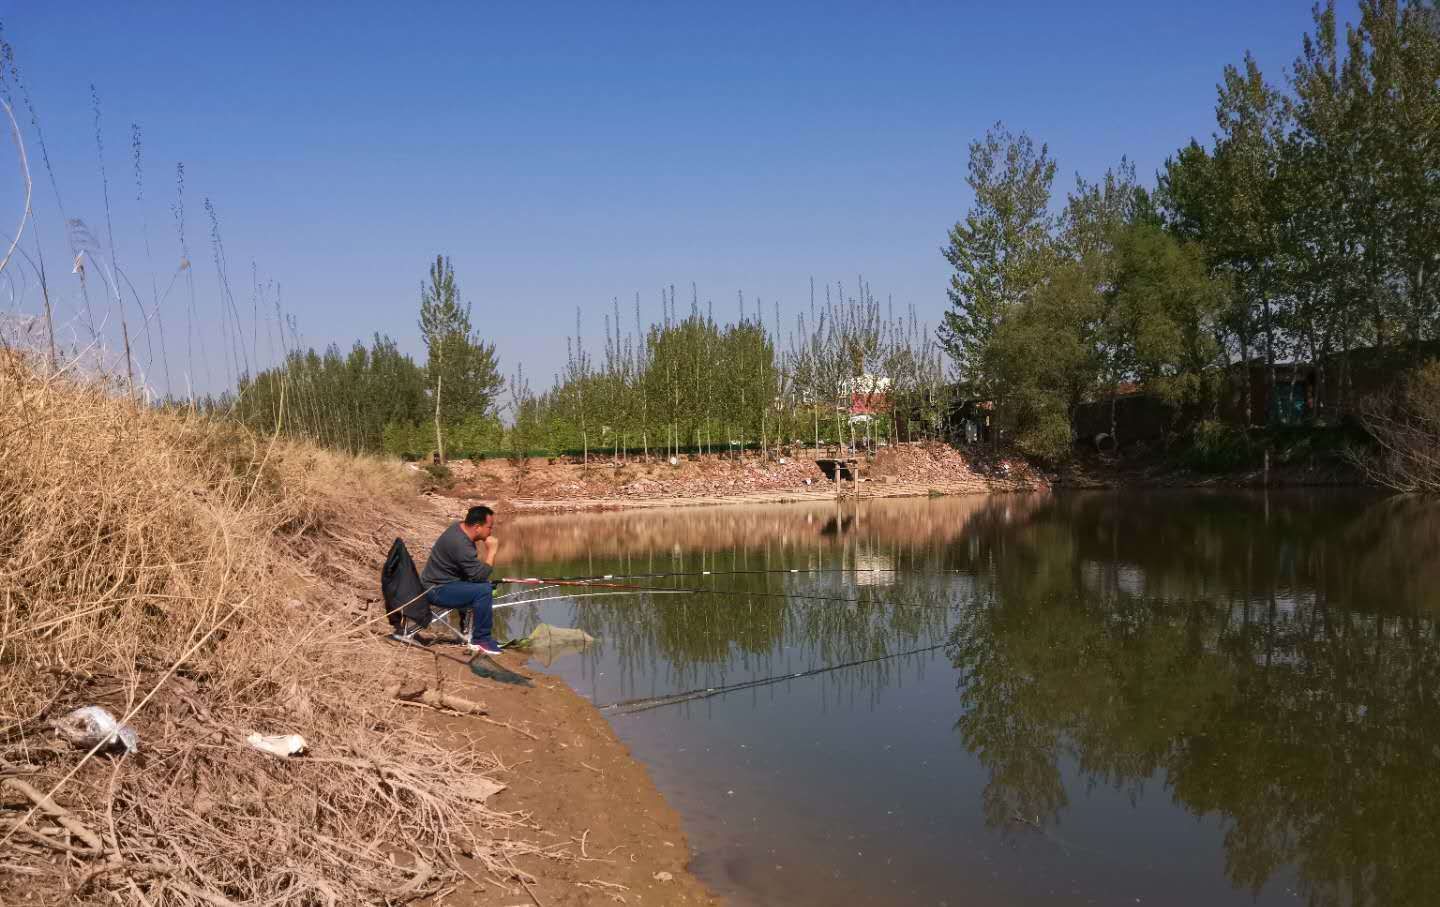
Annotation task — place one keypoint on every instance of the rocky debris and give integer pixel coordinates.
(900, 469)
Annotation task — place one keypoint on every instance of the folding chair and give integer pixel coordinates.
(411, 624)
(407, 600)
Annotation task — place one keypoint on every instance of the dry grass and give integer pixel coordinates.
(1404, 421)
(169, 568)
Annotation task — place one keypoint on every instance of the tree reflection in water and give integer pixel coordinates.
(1276, 663)
(1270, 660)
(704, 639)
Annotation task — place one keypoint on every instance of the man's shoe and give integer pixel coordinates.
(484, 646)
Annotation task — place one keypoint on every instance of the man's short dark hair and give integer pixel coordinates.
(476, 516)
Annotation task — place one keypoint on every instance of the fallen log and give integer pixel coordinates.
(436, 699)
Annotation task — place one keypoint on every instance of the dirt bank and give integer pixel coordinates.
(591, 802)
(906, 470)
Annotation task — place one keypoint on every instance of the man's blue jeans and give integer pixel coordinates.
(478, 597)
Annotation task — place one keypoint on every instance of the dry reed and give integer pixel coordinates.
(183, 573)
(1404, 422)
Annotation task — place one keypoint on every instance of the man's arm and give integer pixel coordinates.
(471, 567)
(486, 558)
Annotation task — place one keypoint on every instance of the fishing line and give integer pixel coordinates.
(634, 706)
(501, 598)
(551, 598)
(792, 570)
(729, 592)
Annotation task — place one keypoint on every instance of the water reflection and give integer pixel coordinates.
(1276, 665)
(788, 535)
(743, 623)
(1268, 662)
(743, 627)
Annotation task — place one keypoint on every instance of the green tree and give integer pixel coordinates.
(342, 400)
(1001, 251)
(1047, 354)
(463, 372)
(1402, 69)
(1164, 309)
(1097, 217)
(1252, 117)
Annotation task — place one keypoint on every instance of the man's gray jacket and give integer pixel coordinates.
(453, 560)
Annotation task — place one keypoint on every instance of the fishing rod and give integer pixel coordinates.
(634, 706)
(731, 592)
(552, 581)
(694, 573)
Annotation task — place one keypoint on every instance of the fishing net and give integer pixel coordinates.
(546, 642)
(486, 667)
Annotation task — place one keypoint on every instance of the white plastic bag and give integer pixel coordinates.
(86, 727)
(277, 744)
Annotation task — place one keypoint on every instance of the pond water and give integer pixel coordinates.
(1172, 698)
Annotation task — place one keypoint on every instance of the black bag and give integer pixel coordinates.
(400, 588)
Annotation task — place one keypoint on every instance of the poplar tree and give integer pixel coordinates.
(1000, 250)
(462, 370)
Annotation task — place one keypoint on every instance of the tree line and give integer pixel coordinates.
(689, 383)
(686, 383)
(377, 399)
(1306, 230)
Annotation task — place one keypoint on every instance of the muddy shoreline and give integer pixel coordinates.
(903, 471)
(587, 798)
(604, 504)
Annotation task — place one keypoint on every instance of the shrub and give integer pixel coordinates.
(1218, 447)
(438, 475)
(1405, 425)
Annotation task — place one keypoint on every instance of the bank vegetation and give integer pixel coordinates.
(1298, 244)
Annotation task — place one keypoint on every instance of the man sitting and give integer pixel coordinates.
(457, 577)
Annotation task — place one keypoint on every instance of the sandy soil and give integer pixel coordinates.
(593, 804)
(906, 470)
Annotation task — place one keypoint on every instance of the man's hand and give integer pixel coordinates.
(492, 547)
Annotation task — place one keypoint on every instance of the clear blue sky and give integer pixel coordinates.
(564, 154)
